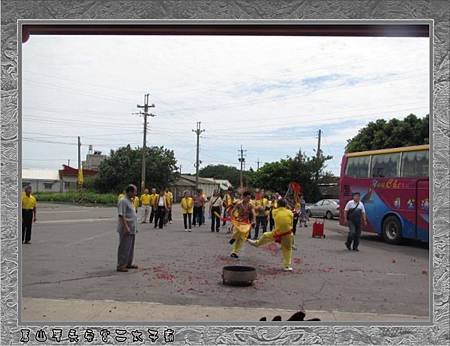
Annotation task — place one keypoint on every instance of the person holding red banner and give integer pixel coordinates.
(281, 234)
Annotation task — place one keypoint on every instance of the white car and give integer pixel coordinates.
(328, 208)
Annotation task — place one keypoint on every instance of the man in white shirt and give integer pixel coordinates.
(354, 212)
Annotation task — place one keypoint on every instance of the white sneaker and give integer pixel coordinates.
(251, 242)
(185, 230)
(170, 221)
(189, 230)
(288, 269)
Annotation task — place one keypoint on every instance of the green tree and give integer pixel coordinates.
(394, 133)
(276, 176)
(123, 167)
(221, 172)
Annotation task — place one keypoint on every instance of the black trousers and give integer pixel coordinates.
(294, 229)
(224, 216)
(159, 217)
(271, 221)
(198, 216)
(152, 214)
(187, 217)
(27, 221)
(260, 220)
(354, 234)
(215, 220)
(170, 214)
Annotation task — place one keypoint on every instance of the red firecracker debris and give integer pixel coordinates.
(393, 260)
(424, 272)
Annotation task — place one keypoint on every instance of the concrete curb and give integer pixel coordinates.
(75, 310)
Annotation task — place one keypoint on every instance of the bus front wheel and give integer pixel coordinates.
(392, 230)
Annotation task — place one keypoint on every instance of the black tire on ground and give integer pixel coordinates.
(328, 215)
(392, 230)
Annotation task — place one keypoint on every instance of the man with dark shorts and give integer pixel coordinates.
(354, 212)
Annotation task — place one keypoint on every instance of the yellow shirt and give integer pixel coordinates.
(146, 199)
(284, 220)
(152, 198)
(187, 205)
(263, 202)
(28, 203)
(136, 202)
(122, 195)
(274, 204)
(169, 196)
(228, 200)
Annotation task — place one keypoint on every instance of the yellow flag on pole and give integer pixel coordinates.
(80, 176)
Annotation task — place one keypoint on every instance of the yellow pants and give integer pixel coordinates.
(240, 239)
(286, 245)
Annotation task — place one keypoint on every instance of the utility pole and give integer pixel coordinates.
(257, 165)
(198, 132)
(180, 169)
(146, 106)
(318, 154)
(242, 161)
(68, 162)
(79, 152)
(79, 160)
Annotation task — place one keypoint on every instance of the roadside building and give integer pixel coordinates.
(69, 177)
(42, 180)
(93, 159)
(223, 183)
(186, 182)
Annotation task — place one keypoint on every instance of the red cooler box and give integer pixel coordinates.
(318, 229)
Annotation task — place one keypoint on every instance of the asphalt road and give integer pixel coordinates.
(74, 251)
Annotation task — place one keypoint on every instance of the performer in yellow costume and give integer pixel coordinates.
(282, 233)
(242, 218)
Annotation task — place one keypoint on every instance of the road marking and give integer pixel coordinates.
(75, 220)
(87, 239)
(397, 274)
(61, 211)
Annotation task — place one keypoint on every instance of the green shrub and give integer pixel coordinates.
(77, 197)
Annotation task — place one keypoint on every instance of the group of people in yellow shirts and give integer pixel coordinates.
(155, 206)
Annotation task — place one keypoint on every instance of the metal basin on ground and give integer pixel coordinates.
(238, 275)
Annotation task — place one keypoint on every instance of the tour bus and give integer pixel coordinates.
(394, 188)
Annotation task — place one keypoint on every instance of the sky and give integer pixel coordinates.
(269, 94)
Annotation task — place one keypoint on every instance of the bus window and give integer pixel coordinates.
(385, 165)
(415, 164)
(358, 167)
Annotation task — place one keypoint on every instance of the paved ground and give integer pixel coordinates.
(73, 256)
